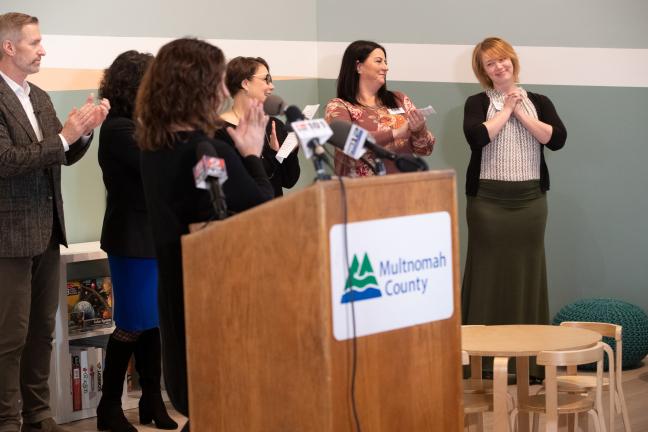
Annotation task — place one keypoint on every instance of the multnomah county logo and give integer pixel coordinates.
(399, 279)
(361, 283)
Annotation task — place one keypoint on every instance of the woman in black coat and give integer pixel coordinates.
(177, 106)
(126, 237)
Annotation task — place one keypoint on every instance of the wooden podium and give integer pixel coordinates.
(260, 347)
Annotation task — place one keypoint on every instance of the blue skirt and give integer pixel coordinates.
(135, 300)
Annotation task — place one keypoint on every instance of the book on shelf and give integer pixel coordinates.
(89, 304)
(99, 360)
(76, 382)
(87, 377)
(93, 368)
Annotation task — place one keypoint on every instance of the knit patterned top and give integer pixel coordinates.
(514, 154)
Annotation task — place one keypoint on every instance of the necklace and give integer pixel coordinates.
(267, 137)
(238, 119)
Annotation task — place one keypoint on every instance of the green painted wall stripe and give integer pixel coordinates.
(574, 23)
(596, 240)
(281, 20)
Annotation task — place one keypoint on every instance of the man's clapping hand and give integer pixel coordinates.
(82, 121)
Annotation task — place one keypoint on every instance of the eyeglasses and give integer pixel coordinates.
(267, 78)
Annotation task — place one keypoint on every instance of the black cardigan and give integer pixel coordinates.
(281, 175)
(477, 135)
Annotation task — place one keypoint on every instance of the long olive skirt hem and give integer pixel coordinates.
(505, 280)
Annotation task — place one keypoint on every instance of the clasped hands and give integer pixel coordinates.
(82, 121)
(512, 101)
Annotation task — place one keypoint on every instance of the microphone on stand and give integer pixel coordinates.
(311, 134)
(354, 141)
(352, 144)
(210, 173)
(274, 105)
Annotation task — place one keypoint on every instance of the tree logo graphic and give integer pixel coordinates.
(361, 283)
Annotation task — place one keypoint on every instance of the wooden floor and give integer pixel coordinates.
(635, 387)
(132, 416)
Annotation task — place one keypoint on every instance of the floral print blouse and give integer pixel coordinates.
(380, 123)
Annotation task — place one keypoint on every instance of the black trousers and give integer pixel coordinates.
(29, 294)
(172, 326)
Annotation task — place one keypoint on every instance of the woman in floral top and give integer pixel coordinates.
(363, 99)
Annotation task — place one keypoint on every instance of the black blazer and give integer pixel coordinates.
(126, 229)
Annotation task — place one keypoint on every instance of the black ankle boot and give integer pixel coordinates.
(110, 416)
(152, 408)
(148, 364)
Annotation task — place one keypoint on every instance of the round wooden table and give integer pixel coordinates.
(520, 341)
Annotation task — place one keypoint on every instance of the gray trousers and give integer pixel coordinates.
(28, 302)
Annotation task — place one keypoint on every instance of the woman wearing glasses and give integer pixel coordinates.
(248, 78)
(363, 98)
(507, 129)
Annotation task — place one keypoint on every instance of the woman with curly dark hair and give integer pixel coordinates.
(177, 111)
(126, 237)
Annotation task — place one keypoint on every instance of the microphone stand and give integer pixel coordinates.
(218, 200)
(319, 159)
(378, 168)
(410, 163)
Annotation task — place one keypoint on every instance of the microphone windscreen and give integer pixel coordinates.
(273, 105)
(293, 114)
(410, 163)
(204, 148)
(341, 131)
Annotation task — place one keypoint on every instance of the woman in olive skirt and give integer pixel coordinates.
(507, 128)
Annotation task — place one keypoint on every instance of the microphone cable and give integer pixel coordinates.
(354, 338)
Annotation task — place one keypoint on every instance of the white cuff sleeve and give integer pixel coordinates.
(66, 146)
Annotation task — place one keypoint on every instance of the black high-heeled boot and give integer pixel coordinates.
(110, 416)
(148, 364)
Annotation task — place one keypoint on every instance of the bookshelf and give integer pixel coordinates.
(80, 260)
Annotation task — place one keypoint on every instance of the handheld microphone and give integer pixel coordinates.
(210, 173)
(354, 141)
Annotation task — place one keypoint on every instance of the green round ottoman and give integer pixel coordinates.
(632, 318)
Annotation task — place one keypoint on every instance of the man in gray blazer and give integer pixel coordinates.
(33, 146)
